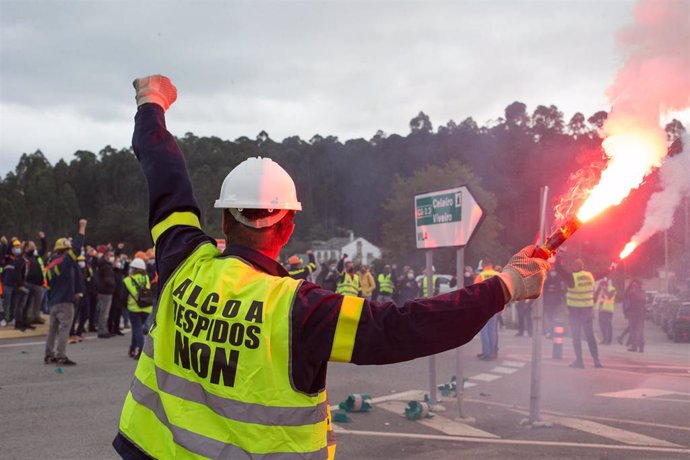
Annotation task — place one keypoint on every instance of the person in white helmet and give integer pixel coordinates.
(235, 362)
(139, 303)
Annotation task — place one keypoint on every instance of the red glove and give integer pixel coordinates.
(155, 89)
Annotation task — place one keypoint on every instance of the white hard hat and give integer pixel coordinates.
(138, 263)
(258, 183)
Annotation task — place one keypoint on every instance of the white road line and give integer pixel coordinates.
(513, 363)
(504, 370)
(609, 432)
(485, 377)
(514, 442)
(22, 344)
(524, 411)
(641, 393)
(416, 395)
(33, 344)
(439, 422)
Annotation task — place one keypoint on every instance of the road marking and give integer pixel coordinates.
(411, 395)
(513, 363)
(485, 377)
(609, 432)
(642, 393)
(438, 422)
(21, 344)
(514, 442)
(504, 370)
(522, 410)
(29, 344)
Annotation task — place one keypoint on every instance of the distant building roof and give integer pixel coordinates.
(332, 244)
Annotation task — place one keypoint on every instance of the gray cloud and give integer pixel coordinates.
(341, 68)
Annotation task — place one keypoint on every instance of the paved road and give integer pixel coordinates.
(636, 407)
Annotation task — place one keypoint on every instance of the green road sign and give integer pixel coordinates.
(445, 218)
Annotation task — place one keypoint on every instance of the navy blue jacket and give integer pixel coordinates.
(386, 333)
(62, 274)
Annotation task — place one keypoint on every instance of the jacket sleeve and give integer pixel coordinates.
(173, 209)
(332, 327)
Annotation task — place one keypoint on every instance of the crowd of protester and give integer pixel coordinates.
(114, 290)
(105, 290)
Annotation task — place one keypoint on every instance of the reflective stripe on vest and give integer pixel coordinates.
(176, 218)
(131, 282)
(385, 284)
(214, 379)
(346, 329)
(582, 293)
(349, 285)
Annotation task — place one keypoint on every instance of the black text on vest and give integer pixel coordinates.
(211, 332)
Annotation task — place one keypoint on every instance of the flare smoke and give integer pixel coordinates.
(661, 207)
(654, 81)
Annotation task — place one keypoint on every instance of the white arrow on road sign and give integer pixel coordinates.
(445, 218)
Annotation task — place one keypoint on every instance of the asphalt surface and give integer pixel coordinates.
(635, 407)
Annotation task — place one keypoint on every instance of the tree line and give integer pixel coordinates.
(359, 185)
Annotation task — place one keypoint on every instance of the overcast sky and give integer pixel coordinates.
(340, 68)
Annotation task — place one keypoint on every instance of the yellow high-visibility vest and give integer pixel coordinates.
(132, 282)
(582, 293)
(386, 284)
(485, 274)
(349, 285)
(606, 299)
(214, 379)
(426, 292)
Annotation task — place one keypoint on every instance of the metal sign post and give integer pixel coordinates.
(433, 402)
(537, 322)
(459, 358)
(445, 218)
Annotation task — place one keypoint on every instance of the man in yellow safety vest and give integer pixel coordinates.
(235, 363)
(580, 302)
(348, 279)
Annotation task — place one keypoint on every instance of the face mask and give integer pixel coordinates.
(81, 264)
(111, 259)
(16, 251)
(410, 276)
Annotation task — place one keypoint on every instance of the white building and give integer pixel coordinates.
(358, 250)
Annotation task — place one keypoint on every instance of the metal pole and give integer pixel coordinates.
(537, 321)
(459, 364)
(432, 358)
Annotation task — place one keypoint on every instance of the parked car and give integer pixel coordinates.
(657, 301)
(679, 327)
(667, 310)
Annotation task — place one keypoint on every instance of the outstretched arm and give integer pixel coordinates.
(173, 209)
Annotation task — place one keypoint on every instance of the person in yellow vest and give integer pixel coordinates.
(580, 302)
(348, 279)
(297, 271)
(367, 283)
(605, 306)
(435, 281)
(386, 284)
(235, 363)
(488, 333)
(139, 303)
